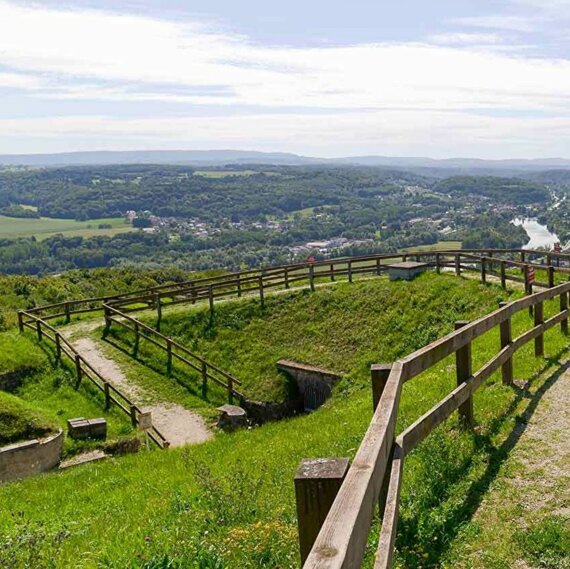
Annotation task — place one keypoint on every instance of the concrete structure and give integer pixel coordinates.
(231, 417)
(315, 384)
(27, 458)
(406, 270)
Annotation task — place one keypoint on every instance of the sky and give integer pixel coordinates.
(444, 78)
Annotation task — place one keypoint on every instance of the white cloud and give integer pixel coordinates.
(499, 22)
(375, 97)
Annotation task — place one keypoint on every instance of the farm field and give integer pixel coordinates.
(44, 227)
(230, 501)
(439, 246)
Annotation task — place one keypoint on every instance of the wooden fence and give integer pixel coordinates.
(376, 472)
(84, 369)
(207, 371)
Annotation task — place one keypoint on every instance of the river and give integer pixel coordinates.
(538, 234)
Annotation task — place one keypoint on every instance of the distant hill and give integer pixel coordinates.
(420, 165)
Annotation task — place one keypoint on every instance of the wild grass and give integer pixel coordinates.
(230, 502)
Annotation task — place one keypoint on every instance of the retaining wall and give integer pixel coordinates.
(27, 458)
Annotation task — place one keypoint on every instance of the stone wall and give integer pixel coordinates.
(259, 412)
(315, 384)
(27, 458)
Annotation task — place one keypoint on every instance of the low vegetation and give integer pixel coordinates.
(230, 502)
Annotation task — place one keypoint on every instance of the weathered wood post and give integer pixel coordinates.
(464, 372)
(107, 395)
(349, 271)
(380, 374)
(522, 256)
(168, 356)
(550, 272)
(67, 313)
(211, 298)
(58, 347)
(158, 303)
(78, 370)
(503, 275)
(457, 265)
(539, 319)
(239, 285)
(133, 413)
(39, 330)
(20, 321)
(137, 340)
(506, 339)
(286, 277)
(108, 321)
(483, 270)
(204, 378)
(563, 307)
(261, 293)
(312, 277)
(438, 263)
(193, 292)
(230, 390)
(332, 272)
(317, 483)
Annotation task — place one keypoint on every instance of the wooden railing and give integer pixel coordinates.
(84, 369)
(378, 465)
(207, 370)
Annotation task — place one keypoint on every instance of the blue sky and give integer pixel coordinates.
(443, 78)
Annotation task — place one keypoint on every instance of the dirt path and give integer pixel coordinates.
(179, 425)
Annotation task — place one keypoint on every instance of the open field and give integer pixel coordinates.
(44, 227)
(439, 246)
(228, 173)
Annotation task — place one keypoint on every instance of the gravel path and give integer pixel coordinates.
(178, 425)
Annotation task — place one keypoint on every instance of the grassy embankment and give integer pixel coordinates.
(49, 390)
(230, 502)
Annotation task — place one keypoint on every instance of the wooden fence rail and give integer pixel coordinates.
(84, 369)
(174, 350)
(380, 459)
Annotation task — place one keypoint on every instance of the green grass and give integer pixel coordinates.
(44, 227)
(19, 354)
(19, 421)
(230, 502)
(439, 246)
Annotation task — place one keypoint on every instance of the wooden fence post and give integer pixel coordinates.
(463, 371)
(550, 272)
(230, 390)
(522, 257)
(483, 270)
(506, 340)
(58, 347)
(204, 378)
(168, 356)
(332, 272)
(349, 271)
(438, 263)
(107, 396)
(211, 298)
(67, 313)
(39, 330)
(20, 321)
(261, 293)
(137, 340)
(312, 277)
(457, 265)
(239, 285)
(317, 483)
(539, 319)
(158, 311)
(503, 275)
(379, 374)
(378, 265)
(564, 306)
(286, 277)
(193, 292)
(78, 370)
(133, 413)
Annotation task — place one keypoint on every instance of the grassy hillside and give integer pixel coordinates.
(230, 502)
(344, 328)
(19, 421)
